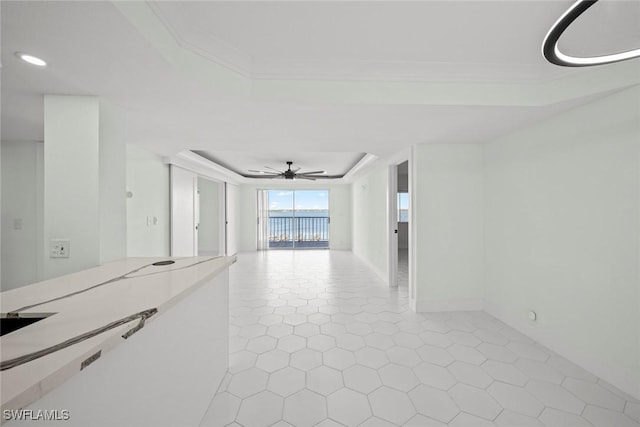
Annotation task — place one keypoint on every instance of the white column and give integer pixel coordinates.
(71, 182)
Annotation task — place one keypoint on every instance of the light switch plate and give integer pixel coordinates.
(59, 248)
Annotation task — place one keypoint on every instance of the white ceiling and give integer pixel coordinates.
(334, 164)
(259, 83)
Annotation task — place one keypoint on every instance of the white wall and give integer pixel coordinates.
(113, 201)
(148, 180)
(447, 202)
(71, 181)
(370, 219)
(562, 235)
(21, 187)
(339, 206)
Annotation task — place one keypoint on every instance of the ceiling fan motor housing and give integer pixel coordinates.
(289, 174)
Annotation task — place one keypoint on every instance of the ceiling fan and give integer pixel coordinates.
(287, 174)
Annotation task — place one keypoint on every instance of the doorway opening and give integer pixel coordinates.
(293, 219)
(402, 278)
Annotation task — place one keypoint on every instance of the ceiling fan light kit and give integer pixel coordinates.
(552, 53)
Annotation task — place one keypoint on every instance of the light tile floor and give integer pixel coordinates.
(318, 340)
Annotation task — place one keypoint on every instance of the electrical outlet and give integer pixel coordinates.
(59, 248)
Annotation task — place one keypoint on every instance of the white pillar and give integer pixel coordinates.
(71, 182)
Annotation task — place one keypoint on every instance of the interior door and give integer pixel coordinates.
(184, 236)
(231, 213)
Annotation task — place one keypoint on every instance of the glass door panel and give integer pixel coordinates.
(298, 219)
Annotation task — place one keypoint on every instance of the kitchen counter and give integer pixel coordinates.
(92, 311)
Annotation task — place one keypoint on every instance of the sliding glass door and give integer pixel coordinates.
(293, 219)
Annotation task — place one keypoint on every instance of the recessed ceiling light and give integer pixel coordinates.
(550, 44)
(34, 60)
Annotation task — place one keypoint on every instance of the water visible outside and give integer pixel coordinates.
(298, 219)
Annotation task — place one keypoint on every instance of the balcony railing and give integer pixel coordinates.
(299, 232)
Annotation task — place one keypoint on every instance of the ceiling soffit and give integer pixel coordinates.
(229, 71)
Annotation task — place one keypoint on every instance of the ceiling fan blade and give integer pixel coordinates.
(261, 176)
(305, 177)
(262, 172)
(268, 167)
(311, 173)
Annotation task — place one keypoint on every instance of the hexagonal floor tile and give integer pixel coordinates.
(294, 319)
(222, 411)
(321, 342)
(262, 344)
(270, 319)
(505, 372)
(466, 354)
(305, 409)
(379, 341)
(361, 378)
(286, 381)
(262, 409)
(509, 418)
(371, 357)
(467, 420)
(248, 382)
(470, 374)
(272, 360)
(434, 376)
(359, 328)
(463, 338)
(422, 421)
(241, 360)
(252, 331)
(291, 343)
(539, 371)
(307, 330)
(602, 417)
(436, 355)
(435, 339)
(433, 403)
(475, 401)
(391, 405)
(404, 356)
(554, 396)
(339, 358)
(348, 407)
(496, 352)
(280, 330)
(318, 318)
(324, 380)
(332, 329)
(594, 394)
(408, 340)
(516, 399)
(349, 342)
(398, 377)
(306, 359)
(551, 417)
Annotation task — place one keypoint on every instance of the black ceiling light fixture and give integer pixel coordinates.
(288, 174)
(550, 45)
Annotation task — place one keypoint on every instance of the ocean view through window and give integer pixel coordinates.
(298, 219)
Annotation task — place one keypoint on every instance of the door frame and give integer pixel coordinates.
(392, 237)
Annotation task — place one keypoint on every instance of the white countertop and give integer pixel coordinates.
(138, 286)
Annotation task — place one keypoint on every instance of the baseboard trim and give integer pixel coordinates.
(619, 378)
(463, 304)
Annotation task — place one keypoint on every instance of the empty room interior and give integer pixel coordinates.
(323, 213)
